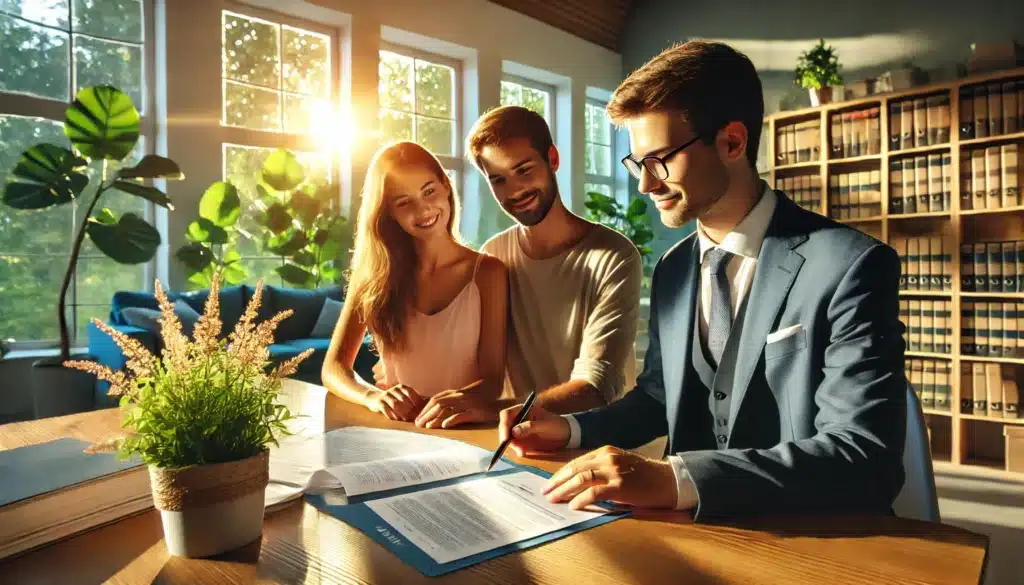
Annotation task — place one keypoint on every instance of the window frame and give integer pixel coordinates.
(240, 136)
(455, 161)
(551, 90)
(22, 104)
(590, 178)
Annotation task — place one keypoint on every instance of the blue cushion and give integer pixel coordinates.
(149, 319)
(306, 305)
(328, 318)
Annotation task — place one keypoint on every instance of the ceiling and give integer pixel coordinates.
(598, 21)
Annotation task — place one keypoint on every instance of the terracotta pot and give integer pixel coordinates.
(210, 509)
(821, 96)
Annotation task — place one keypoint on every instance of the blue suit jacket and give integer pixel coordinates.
(817, 420)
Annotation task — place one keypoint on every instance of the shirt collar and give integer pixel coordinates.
(746, 238)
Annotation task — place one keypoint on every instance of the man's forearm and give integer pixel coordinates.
(569, 397)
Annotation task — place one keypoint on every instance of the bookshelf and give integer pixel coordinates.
(963, 439)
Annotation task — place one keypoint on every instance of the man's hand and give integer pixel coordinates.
(451, 408)
(541, 431)
(379, 375)
(397, 403)
(609, 473)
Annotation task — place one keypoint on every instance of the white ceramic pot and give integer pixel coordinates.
(211, 509)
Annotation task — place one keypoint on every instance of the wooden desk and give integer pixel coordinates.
(300, 545)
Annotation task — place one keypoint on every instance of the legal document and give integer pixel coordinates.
(459, 520)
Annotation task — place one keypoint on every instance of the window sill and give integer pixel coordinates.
(35, 354)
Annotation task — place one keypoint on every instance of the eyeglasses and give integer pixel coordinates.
(655, 165)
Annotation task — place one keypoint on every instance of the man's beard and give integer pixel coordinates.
(545, 199)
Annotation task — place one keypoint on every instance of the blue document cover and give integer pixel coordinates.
(27, 472)
(358, 514)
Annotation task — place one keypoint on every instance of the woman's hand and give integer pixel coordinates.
(399, 402)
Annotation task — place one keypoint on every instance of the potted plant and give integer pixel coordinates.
(817, 71)
(631, 222)
(213, 238)
(103, 127)
(202, 417)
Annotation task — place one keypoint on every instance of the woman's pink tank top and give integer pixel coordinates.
(441, 349)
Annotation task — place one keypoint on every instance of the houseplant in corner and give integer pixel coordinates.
(202, 417)
(103, 127)
(817, 71)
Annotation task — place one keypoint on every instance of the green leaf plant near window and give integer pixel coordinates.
(212, 239)
(102, 124)
(301, 222)
(817, 71)
(631, 221)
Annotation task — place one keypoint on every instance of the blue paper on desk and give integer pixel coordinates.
(447, 525)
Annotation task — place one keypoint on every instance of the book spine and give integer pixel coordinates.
(815, 140)
(928, 326)
(948, 312)
(844, 196)
(978, 178)
(914, 264)
(780, 146)
(980, 268)
(895, 113)
(993, 173)
(864, 132)
(967, 267)
(1008, 266)
(943, 388)
(833, 196)
(945, 121)
(875, 189)
(994, 388)
(939, 327)
(994, 257)
(967, 329)
(1010, 120)
(896, 187)
(935, 182)
(900, 245)
(847, 122)
(915, 325)
(932, 114)
(980, 394)
(791, 131)
(920, 122)
(1018, 252)
(995, 109)
(800, 130)
(928, 384)
(966, 113)
(1020, 104)
(966, 188)
(935, 272)
(995, 329)
(966, 388)
(874, 131)
(923, 186)
(1011, 399)
(909, 187)
(1009, 328)
(981, 329)
(980, 111)
(907, 125)
(837, 135)
(1010, 174)
(947, 182)
(1020, 329)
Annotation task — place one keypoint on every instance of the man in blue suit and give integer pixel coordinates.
(775, 364)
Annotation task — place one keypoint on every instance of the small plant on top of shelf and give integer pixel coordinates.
(817, 71)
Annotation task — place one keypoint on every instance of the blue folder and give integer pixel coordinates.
(357, 514)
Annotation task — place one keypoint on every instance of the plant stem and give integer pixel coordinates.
(76, 248)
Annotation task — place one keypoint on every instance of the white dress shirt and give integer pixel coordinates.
(744, 242)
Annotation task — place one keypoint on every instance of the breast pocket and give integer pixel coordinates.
(786, 346)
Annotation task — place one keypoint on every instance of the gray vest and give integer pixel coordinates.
(718, 381)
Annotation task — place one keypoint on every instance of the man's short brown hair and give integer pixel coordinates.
(500, 125)
(710, 84)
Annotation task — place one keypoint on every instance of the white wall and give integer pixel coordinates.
(485, 37)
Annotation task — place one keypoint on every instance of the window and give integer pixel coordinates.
(597, 160)
(531, 95)
(49, 49)
(418, 96)
(278, 83)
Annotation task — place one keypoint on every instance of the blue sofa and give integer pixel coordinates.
(291, 337)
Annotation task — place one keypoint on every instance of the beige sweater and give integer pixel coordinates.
(573, 316)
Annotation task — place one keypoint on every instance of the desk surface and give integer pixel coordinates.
(300, 545)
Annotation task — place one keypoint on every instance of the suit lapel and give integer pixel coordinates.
(777, 267)
(676, 321)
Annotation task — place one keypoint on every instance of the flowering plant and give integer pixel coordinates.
(203, 401)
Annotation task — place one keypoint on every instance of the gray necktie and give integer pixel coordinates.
(720, 319)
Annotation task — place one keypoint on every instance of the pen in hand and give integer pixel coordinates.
(523, 412)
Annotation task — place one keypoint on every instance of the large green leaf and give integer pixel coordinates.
(128, 240)
(220, 204)
(233, 272)
(195, 256)
(153, 166)
(295, 275)
(304, 258)
(45, 175)
(145, 191)
(207, 232)
(102, 123)
(282, 170)
(637, 208)
(201, 280)
(307, 208)
(276, 218)
(287, 243)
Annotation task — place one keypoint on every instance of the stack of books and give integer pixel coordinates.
(797, 143)
(919, 121)
(927, 263)
(991, 109)
(989, 390)
(805, 190)
(992, 329)
(928, 325)
(856, 133)
(855, 194)
(930, 380)
(989, 177)
(54, 490)
(921, 184)
(992, 267)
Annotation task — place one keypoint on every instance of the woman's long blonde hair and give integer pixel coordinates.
(382, 277)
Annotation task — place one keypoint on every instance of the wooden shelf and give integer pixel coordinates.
(974, 468)
(862, 219)
(993, 360)
(930, 149)
(854, 159)
(999, 138)
(932, 411)
(926, 293)
(800, 165)
(922, 214)
(996, 211)
(928, 354)
(992, 295)
(982, 417)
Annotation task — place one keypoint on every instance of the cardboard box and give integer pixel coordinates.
(994, 56)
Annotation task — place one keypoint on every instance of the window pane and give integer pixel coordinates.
(511, 94)
(395, 85)
(251, 107)
(99, 62)
(435, 135)
(536, 100)
(51, 12)
(33, 59)
(434, 95)
(80, 327)
(250, 51)
(112, 19)
(28, 296)
(598, 187)
(306, 62)
(395, 126)
(300, 112)
(99, 277)
(597, 160)
(598, 126)
(42, 231)
(258, 268)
